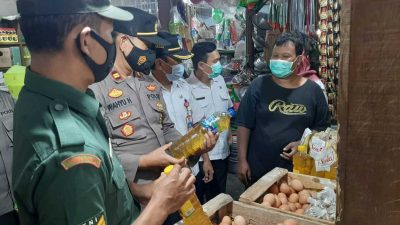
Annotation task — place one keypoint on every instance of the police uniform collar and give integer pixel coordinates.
(116, 76)
(52, 89)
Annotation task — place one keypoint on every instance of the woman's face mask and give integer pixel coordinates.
(140, 60)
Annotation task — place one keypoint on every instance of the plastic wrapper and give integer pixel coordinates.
(323, 206)
(177, 25)
(227, 6)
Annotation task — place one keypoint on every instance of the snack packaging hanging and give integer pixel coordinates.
(177, 25)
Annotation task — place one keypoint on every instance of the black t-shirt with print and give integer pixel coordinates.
(277, 116)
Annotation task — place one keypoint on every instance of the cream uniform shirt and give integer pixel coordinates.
(174, 100)
(212, 99)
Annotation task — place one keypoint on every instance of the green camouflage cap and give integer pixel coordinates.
(60, 7)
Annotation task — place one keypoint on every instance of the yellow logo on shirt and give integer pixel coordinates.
(287, 108)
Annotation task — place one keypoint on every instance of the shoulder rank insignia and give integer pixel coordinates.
(116, 76)
(160, 106)
(125, 115)
(127, 130)
(75, 160)
(115, 93)
(151, 87)
(142, 59)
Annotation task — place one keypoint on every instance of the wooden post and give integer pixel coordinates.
(369, 113)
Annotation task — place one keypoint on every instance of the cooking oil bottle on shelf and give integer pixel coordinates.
(302, 162)
(192, 142)
(191, 212)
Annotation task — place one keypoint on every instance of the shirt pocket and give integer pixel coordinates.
(200, 98)
(124, 123)
(223, 99)
(8, 123)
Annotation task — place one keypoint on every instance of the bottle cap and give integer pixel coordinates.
(168, 169)
(232, 112)
(302, 148)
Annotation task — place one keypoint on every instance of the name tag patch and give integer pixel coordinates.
(80, 159)
(96, 220)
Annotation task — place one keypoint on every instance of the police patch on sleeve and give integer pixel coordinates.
(79, 159)
(98, 219)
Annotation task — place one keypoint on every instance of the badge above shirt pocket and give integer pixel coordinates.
(124, 122)
(200, 98)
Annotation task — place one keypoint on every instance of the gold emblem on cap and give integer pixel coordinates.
(142, 59)
(156, 27)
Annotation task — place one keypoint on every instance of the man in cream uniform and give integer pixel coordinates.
(211, 94)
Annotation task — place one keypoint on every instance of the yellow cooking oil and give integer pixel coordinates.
(332, 173)
(192, 142)
(191, 211)
(302, 162)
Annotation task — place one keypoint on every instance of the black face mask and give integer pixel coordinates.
(100, 71)
(140, 60)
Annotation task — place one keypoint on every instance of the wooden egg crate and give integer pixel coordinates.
(254, 194)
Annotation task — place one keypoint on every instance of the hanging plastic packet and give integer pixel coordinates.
(176, 24)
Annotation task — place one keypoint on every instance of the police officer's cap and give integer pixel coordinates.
(65, 7)
(144, 26)
(175, 50)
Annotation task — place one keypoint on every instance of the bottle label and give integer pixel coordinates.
(187, 209)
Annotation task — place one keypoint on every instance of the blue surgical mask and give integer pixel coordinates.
(177, 72)
(281, 68)
(217, 70)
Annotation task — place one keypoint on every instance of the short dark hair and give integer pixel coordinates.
(200, 52)
(291, 37)
(47, 33)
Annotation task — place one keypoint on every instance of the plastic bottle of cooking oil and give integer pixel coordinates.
(316, 173)
(192, 212)
(192, 142)
(302, 162)
(332, 174)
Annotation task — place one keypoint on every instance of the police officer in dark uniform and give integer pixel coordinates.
(8, 215)
(64, 171)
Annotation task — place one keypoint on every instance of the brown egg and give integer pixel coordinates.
(299, 211)
(284, 188)
(303, 198)
(279, 224)
(284, 207)
(226, 220)
(270, 198)
(274, 189)
(266, 204)
(305, 206)
(304, 192)
(290, 222)
(294, 198)
(239, 220)
(292, 206)
(282, 195)
(297, 185)
(284, 200)
(277, 202)
(298, 205)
